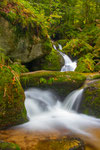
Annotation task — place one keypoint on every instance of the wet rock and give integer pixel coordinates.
(19, 46)
(90, 104)
(61, 82)
(12, 110)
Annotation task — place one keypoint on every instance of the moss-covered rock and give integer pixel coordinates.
(61, 82)
(90, 104)
(8, 146)
(53, 61)
(23, 33)
(12, 110)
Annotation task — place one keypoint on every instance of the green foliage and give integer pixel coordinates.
(43, 80)
(77, 47)
(8, 146)
(52, 61)
(3, 58)
(86, 64)
(19, 68)
(46, 81)
(23, 15)
(75, 23)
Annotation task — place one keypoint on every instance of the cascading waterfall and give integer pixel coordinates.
(73, 100)
(46, 112)
(69, 65)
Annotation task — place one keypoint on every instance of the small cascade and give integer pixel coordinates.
(73, 100)
(69, 65)
(38, 101)
(60, 47)
(47, 113)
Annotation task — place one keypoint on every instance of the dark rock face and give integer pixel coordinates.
(12, 110)
(90, 104)
(21, 47)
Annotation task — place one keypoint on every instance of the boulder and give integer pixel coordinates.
(12, 110)
(21, 46)
(90, 104)
(61, 82)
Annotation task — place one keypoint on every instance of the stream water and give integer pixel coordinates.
(69, 65)
(46, 112)
(50, 118)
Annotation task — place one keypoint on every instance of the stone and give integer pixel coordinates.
(12, 109)
(61, 82)
(21, 47)
(90, 104)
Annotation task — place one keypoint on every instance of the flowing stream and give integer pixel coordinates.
(46, 112)
(50, 119)
(69, 65)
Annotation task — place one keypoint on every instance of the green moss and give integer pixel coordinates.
(52, 61)
(91, 101)
(12, 110)
(97, 76)
(25, 18)
(61, 82)
(8, 146)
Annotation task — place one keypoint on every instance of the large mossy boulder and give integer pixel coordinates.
(90, 104)
(12, 110)
(61, 82)
(22, 32)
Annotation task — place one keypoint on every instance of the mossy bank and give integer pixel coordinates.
(91, 99)
(12, 110)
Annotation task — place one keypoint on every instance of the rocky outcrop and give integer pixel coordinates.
(21, 46)
(61, 82)
(90, 104)
(12, 110)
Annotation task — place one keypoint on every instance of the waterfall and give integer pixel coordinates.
(69, 65)
(47, 112)
(73, 100)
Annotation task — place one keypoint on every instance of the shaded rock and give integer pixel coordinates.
(90, 104)
(61, 82)
(19, 46)
(53, 61)
(12, 110)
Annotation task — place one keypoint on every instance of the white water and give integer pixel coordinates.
(46, 112)
(69, 65)
(73, 99)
